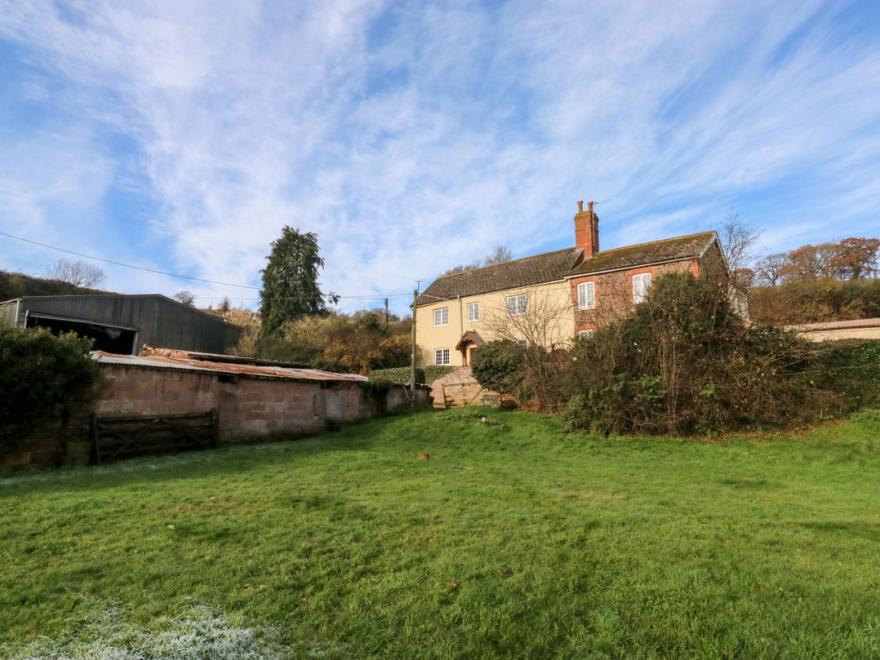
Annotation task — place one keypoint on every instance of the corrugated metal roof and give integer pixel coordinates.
(246, 370)
(107, 297)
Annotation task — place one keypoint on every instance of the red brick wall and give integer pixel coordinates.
(614, 292)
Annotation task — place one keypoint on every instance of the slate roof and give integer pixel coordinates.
(630, 256)
(546, 267)
(553, 266)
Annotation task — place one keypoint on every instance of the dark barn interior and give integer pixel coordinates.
(120, 323)
(108, 338)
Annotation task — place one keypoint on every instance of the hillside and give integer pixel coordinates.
(15, 285)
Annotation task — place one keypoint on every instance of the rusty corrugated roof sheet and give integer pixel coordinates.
(179, 360)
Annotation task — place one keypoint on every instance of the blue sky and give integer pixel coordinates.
(415, 136)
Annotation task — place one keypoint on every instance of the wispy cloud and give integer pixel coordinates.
(415, 136)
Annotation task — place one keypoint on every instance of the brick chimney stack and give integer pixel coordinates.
(586, 230)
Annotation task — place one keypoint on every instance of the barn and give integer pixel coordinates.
(120, 323)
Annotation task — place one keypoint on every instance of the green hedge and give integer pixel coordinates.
(814, 301)
(424, 375)
(850, 368)
(42, 377)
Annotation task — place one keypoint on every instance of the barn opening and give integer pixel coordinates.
(107, 337)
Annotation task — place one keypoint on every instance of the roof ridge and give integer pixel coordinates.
(509, 261)
(659, 240)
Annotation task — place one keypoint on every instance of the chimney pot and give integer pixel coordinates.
(580, 206)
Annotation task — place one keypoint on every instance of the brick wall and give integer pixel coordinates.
(614, 292)
(249, 408)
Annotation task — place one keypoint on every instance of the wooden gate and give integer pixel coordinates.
(120, 437)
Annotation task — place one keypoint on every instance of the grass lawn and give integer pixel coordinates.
(515, 538)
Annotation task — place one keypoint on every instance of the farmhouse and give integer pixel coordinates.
(121, 324)
(573, 291)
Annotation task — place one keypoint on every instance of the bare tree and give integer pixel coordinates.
(77, 273)
(461, 268)
(769, 270)
(540, 322)
(737, 242)
(499, 255)
(186, 297)
(542, 325)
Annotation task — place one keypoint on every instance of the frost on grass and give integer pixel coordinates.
(202, 633)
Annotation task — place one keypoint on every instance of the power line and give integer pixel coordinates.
(186, 277)
(124, 265)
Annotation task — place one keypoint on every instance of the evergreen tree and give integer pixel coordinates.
(290, 281)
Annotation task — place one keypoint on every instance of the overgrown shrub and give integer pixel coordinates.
(338, 342)
(850, 369)
(684, 362)
(42, 377)
(499, 366)
(810, 301)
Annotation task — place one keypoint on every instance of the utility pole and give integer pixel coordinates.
(386, 313)
(412, 364)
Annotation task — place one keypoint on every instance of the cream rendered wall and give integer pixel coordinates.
(549, 301)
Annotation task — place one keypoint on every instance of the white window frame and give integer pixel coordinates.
(473, 311)
(522, 342)
(584, 334)
(641, 285)
(441, 356)
(586, 295)
(517, 305)
(443, 313)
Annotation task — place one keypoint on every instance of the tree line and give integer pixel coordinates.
(850, 259)
(813, 283)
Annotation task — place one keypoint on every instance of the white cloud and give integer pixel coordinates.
(418, 137)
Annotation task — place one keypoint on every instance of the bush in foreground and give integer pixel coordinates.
(684, 362)
(41, 377)
(500, 366)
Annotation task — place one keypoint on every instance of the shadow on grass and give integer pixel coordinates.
(748, 484)
(865, 530)
(229, 459)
